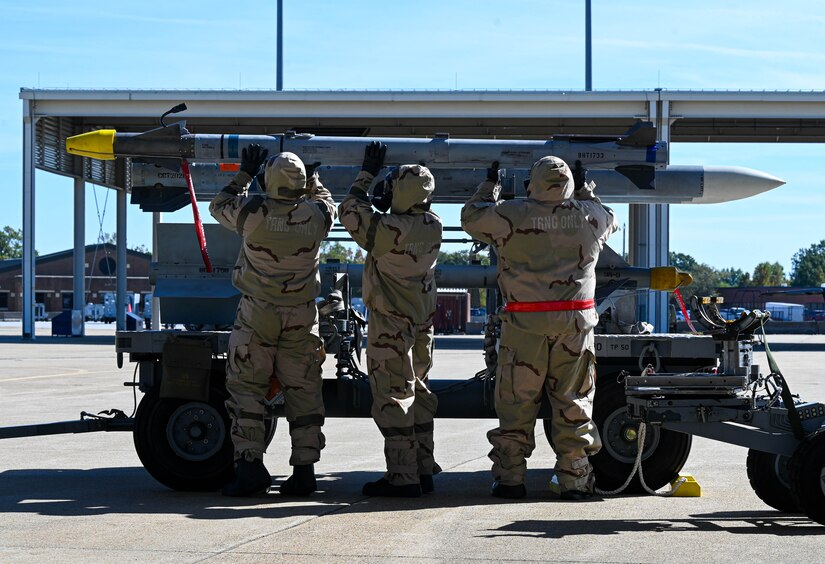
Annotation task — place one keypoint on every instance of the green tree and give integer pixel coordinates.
(768, 274)
(706, 282)
(11, 243)
(460, 257)
(809, 266)
(734, 277)
(683, 262)
(337, 251)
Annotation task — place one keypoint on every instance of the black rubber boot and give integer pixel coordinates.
(250, 478)
(426, 483)
(508, 492)
(301, 483)
(575, 495)
(382, 488)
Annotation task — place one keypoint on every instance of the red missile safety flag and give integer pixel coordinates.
(184, 166)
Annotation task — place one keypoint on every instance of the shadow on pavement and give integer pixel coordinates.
(744, 522)
(128, 490)
(131, 490)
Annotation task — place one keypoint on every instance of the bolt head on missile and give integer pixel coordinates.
(94, 144)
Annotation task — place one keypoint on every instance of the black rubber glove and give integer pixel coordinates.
(252, 158)
(492, 172)
(578, 175)
(311, 168)
(382, 196)
(374, 157)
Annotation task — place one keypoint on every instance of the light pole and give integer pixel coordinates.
(279, 81)
(588, 70)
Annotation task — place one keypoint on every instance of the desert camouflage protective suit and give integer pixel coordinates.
(276, 326)
(548, 246)
(399, 290)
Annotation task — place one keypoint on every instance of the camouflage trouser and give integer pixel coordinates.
(399, 359)
(565, 368)
(270, 340)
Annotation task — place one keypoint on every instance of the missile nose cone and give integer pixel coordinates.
(95, 144)
(727, 183)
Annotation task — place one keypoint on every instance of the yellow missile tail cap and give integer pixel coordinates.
(668, 278)
(98, 144)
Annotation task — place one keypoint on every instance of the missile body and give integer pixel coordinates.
(638, 147)
(156, 188)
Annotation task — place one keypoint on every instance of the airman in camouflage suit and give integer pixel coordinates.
(547, 246)
(276, 328)
(399, 290)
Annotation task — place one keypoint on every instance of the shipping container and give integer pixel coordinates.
(452, 311)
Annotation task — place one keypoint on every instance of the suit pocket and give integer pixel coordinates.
(505, 377)
(238, 355)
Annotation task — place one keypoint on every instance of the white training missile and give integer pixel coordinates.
(638, 147)
(627, 169)
(156, 188)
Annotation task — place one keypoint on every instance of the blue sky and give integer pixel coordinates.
(761, 45)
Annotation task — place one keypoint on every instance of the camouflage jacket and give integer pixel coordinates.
(547, 246)
(402, 249)
(278, 261)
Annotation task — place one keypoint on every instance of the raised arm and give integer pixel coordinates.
(479, 216)
(356, 212)
(232, 207)
(318, 193)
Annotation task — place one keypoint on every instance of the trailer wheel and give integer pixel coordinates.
(769, 475)
(185, 445)
(807, 470)
(665, 451)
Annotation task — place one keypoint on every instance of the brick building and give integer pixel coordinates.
(54, 279)
(755, 297)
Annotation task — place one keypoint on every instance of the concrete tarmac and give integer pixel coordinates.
(86, 497)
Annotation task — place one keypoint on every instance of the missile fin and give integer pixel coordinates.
(171, 131)
(642, 176)
(160, 198)
(642, 134)
(608, 258)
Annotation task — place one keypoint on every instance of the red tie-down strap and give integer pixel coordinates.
(679, 299)
(566, 305)
(184, 166)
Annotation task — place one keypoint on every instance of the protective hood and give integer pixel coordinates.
(551, 180)
(415, 185)
(285, 177)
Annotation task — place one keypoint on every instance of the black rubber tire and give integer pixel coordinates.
(665, 451)
(271, 424)
(769, 476)
(160, 459)
(807, 470)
